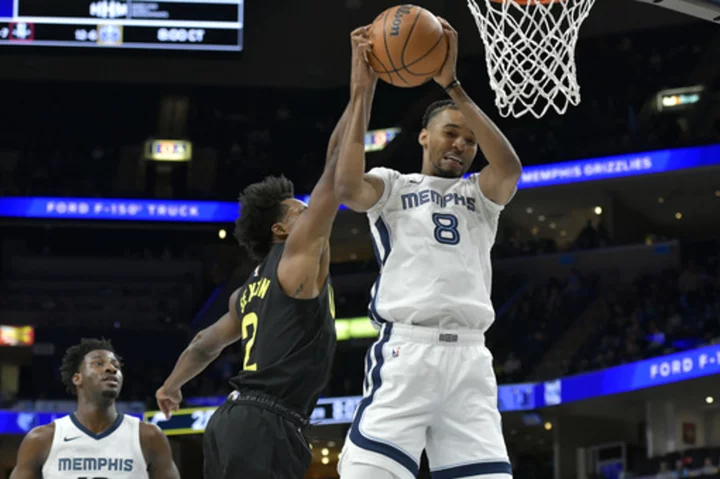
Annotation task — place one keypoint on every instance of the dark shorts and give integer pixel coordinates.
(245, 441)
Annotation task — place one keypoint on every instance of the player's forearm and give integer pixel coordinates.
(495, 146)
(191, 362)
(21, 472)
(337, 136)
(351, 162)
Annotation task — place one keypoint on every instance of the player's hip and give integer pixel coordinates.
(407, 359)
(240, 432)
(469, 315)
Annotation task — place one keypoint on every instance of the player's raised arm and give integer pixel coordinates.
(205, 347)
(499, 179)
(33, 452)
(158, 454)
(305, 262)
(353, 187)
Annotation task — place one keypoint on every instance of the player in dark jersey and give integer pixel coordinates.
(284, 316)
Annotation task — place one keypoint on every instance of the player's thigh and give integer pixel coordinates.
(466, 438)
(239, 442)
(291, 455)
(399, 401)
(367, 471)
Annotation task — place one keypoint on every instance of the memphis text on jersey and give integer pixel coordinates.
(413, 200)
(95, 464)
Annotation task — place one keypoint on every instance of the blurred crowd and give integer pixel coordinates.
(242, 135)
(658, 314)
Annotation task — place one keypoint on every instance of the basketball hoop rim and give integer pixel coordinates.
(527, 3)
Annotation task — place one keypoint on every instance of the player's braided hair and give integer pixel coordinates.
(260, 208)
(435, 109)
(74, 357)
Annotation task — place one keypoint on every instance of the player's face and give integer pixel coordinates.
(100, 374)
(293, 209)
(449, 145)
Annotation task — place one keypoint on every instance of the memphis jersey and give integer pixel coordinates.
(77, 452)
(432, 238)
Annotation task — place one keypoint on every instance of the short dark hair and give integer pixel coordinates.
(261, 207)
(74, 357)
(435, 108)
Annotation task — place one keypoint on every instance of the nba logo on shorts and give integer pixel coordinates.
(396, 351)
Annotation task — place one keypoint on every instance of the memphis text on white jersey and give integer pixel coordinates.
(77, 452)
(432, 238)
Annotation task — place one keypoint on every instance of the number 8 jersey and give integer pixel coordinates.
(432, 237)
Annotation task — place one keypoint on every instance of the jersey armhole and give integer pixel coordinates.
(57, 434)
(137, 443)
(388, 178)
(489, 205)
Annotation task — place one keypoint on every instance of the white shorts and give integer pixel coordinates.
(434, 390)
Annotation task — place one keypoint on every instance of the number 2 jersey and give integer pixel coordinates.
(432, 237)
(288, 344)
(77, 453)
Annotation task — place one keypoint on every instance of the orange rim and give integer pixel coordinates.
(529, 2)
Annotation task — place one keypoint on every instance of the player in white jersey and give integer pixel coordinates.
(429, 382)
(95, 441)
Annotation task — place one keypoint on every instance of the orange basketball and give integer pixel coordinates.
(409, 46)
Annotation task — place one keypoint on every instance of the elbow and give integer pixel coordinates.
(345, 191)
(198, 347)
(345, 188)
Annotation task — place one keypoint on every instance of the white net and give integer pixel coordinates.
(530, 52)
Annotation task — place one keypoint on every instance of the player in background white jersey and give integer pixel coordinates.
(429, 381)
(95, 441)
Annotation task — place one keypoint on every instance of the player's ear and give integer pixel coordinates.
(423, 138)
(77, 379)
(279, 230)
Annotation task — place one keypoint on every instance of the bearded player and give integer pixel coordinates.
(429, 381)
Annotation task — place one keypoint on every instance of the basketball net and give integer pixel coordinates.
(530, 52)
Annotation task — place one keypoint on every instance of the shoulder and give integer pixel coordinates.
(232, 302)
(385, 174)
(151, 437)
(41, 434)
(472, 182)
(151, 432)
(39, 440)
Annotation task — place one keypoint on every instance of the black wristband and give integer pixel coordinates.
(453, 84)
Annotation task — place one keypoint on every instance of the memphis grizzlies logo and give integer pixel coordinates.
(95, 464)
(413, 200)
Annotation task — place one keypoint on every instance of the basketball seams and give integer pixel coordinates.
(407, 39)
(387, 48)
(385, 70)
(418, 28)
(372, 53)
(407, 67)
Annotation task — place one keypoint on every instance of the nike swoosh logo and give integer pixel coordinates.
(68, 439)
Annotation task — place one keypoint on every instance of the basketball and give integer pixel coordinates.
(409, 46)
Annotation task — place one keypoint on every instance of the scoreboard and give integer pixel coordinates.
(144, 24)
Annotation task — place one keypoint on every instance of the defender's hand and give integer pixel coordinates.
(448, 73)
(168, 400)
(362, 75)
